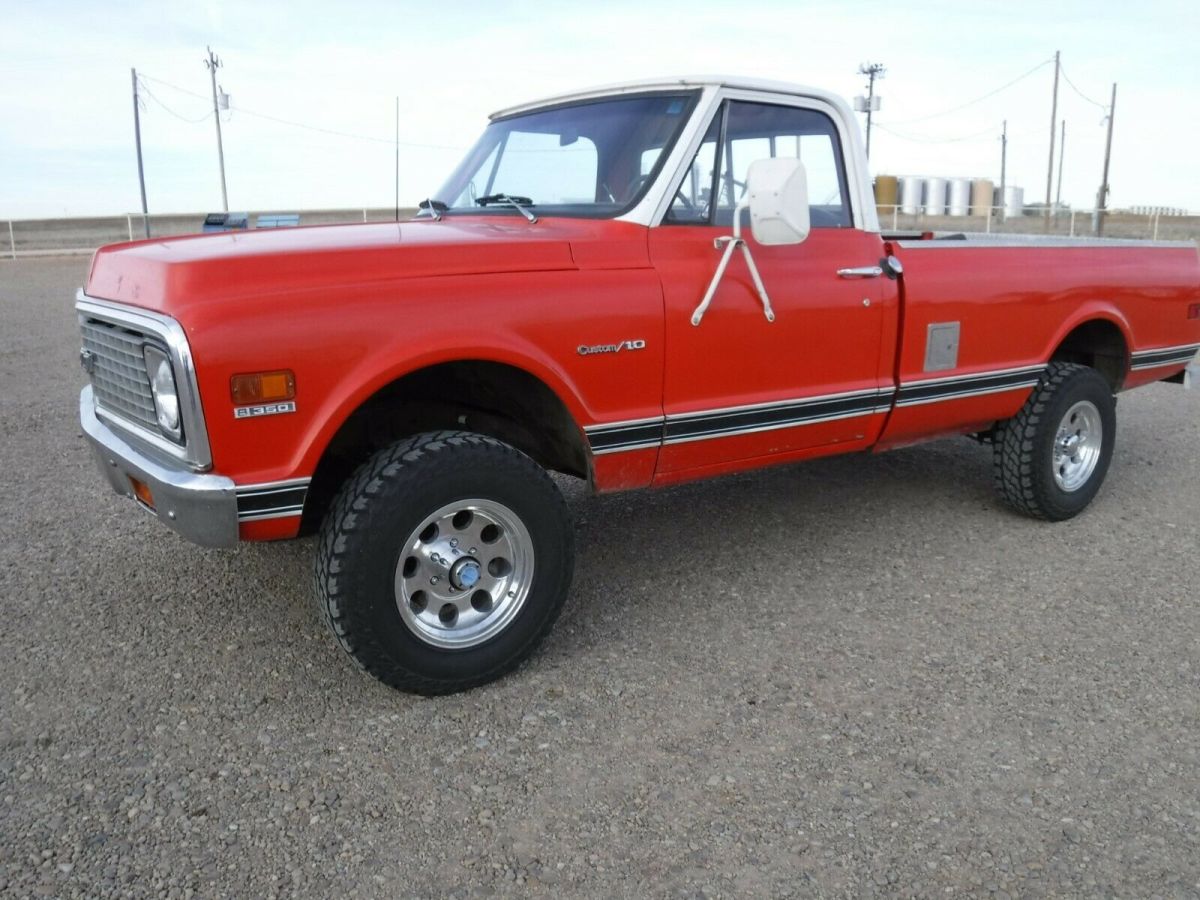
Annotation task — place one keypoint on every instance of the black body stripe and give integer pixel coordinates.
(784, 415)
(728, 422)
(278, 501)
(607, 438)
(1148, 359)
(967, 386)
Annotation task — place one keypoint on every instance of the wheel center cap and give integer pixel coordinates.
(1069, 444)
(465, 574)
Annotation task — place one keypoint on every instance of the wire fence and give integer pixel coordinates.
(1150, 225)
(57, 237)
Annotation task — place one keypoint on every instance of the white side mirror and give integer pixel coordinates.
(777, 195)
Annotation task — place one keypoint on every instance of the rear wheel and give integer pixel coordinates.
(1051, 458)
(444, 562)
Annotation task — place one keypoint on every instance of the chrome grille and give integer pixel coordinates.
(119, 377)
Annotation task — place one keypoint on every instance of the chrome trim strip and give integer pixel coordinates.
(942, 398)
(282, 512)
(196, 452)
(820, 398)
(612, 426)
(991, 373)
(271, 487)
(969, 242)
(633, 445)
(777, 426)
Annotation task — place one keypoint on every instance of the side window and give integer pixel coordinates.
(568, 178)
(756, 131)
(761, 130)
(691, 204)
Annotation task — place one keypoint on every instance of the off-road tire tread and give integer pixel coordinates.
(1014, 460)
(349, 513)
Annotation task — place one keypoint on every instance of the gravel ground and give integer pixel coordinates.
(855, 677)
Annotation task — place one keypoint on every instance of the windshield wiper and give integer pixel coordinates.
(435, 207)
(517, 203)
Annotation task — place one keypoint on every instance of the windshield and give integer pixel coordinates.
(594, 158)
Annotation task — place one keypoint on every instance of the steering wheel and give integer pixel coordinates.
(635, 185)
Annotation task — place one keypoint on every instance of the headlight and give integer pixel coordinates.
(166, 395)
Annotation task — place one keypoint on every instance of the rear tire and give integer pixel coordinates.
(1051, 458)
(444, 562)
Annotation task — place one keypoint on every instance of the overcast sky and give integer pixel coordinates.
(66, 120)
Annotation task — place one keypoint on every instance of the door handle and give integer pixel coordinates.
(861, 272)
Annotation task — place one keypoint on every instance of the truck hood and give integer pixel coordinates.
(169, 275)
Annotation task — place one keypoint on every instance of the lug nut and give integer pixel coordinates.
(434, 580)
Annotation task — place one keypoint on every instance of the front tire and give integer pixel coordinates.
(1051, 458)
(444, 562)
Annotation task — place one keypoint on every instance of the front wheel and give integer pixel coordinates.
(1051, 458)
(444, 562)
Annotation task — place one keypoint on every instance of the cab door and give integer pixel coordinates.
(738, 387)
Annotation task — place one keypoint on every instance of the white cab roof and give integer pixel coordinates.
(676, 82)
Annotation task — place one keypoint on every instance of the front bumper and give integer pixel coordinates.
(201, 508)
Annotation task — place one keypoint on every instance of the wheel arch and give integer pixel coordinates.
(1098, 337)
(488, 396)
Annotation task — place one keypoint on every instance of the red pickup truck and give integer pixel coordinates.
(581, 297)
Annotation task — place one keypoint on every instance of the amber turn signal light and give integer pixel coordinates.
(262, 387)
(141, 490)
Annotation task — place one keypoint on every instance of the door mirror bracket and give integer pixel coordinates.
(777, 197)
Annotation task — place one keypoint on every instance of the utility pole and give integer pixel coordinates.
(1053, 128)
(137, 138)
(1062, 151)
(1003, 166)
(1102, 197)
(213, 63)
(872, 71)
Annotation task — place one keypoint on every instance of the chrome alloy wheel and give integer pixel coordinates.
(464, 573)
(1077, 445)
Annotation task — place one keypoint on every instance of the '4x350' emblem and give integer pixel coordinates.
(585, 350)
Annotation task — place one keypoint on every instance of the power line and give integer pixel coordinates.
(316, 128)
(979, 135)
(345, 134)
(1067, 79)
(144, 77)
(149, 93)
(979, 99)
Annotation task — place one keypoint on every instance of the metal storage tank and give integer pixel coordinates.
(1013, 200)
(983, 192)
(887, 189)
(935, 197)
(910, 194)
(960, 196)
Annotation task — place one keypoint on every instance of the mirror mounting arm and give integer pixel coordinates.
(731, 244)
